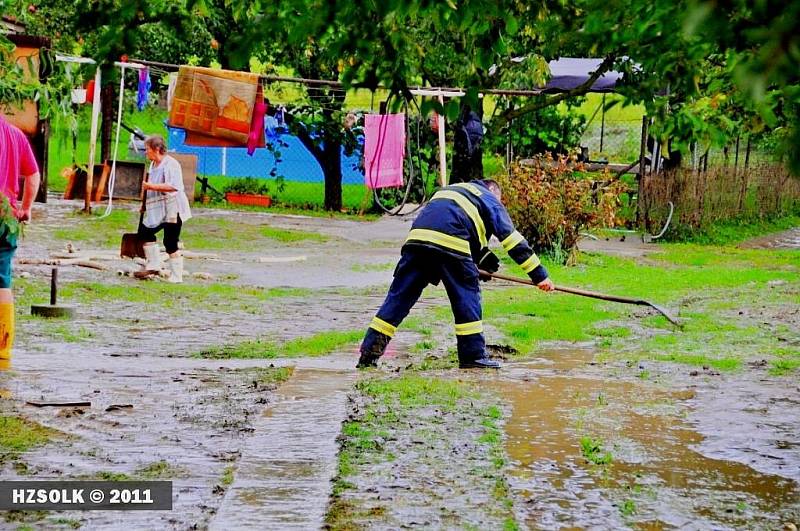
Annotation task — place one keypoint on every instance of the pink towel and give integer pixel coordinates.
(256, 137)
(384, 150)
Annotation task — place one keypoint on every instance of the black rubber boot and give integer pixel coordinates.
(367, 360)
(375, 345)
(480, 363)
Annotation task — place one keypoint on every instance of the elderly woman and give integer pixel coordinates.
(166, 208)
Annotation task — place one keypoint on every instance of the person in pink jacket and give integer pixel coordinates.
(16, 161)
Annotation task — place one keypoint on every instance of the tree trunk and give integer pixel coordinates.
(107, 124)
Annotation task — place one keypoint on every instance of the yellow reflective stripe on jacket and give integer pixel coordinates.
(471, 187)
(469, 208)
(439, 238)
(382, 326)
(530, 264)
(465, 329)
(513, 239)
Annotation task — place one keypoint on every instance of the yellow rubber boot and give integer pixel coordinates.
(6, 333)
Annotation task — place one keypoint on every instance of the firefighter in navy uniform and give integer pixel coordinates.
(448, 242)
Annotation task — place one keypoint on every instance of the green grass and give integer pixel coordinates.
(784, 367)
(227, 475)
(214, 234)
(62, 330)
(178, 297)
(198, 234)
(424, 346)
(60, 153)
(272, 375)
(106, 475)
(617, 113)
(415, 391)
(304, 195)
(92, 232)
(421, 323)
(291, 235)
(20, 435)
(593, 451)
(737, 231)
(315, 345)
(157, 470)
(367, 268)
(711, 283)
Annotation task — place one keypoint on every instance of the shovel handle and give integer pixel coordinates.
(587, 293)
(565, 289)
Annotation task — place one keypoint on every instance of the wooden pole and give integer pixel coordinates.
(87, 207)
(442, 146)
(603, 123)
(640, 177)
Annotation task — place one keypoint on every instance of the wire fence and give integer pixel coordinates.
(718, 184)
(613, 139)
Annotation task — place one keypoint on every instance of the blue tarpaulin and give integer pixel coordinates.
(295, 162)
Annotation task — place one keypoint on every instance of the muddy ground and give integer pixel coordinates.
(692, 448)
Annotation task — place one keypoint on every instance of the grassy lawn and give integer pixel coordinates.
(201, 233)
(733, 303)
(314, 345)
(176, 297)
(19, 435)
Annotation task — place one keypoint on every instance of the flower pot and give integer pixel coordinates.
(248, 199)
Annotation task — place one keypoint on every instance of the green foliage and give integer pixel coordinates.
(552, 130)
(7, 217)
(593, 451)
(247, 185)
(550, 207)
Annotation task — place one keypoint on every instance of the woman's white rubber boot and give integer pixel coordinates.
(176, 269)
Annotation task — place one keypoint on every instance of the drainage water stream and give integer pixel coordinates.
(657, 478)
(283, 479)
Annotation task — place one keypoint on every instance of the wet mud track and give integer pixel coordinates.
(242, 453)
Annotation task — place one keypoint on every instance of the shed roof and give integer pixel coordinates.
(568, 73)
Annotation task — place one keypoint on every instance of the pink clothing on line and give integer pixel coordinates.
(384, 150)
(16, 159)
(256, 137)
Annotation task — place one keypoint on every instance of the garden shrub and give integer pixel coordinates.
(247, 185)
(551, 206)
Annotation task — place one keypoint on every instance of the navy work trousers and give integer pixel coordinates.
(418, 267)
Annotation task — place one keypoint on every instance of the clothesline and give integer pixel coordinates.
(434, 91)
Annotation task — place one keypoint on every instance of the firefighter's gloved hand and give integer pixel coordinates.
(488, 261)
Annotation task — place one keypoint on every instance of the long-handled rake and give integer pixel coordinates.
(591, 294)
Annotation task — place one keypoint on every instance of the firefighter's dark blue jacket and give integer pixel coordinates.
(461, 218)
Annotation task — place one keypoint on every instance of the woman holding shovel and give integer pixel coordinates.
(166, 207)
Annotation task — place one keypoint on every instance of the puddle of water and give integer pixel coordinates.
(789, 239)
(656, 473)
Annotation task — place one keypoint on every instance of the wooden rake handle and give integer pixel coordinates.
(586, 293)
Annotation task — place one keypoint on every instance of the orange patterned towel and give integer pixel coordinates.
(214, 103)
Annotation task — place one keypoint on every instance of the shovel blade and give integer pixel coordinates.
(664, 312)
(132, 246)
